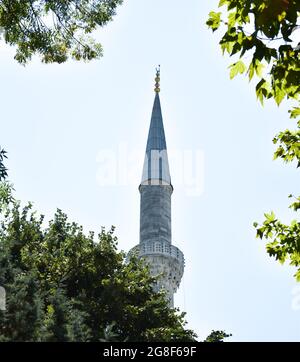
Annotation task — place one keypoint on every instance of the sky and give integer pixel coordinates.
(76, 136)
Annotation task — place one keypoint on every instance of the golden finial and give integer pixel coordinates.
(157, 80)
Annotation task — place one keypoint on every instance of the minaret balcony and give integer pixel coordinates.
(157, 248)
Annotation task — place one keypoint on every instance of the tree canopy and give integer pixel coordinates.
(63, 285)
(54, 29)
(217, 336)
(259, 33)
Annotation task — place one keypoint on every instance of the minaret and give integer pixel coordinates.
(155, 209)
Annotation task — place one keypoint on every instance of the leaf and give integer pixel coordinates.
(214, 20)
(251, 71)
(295, 112)
(258, 67)
(270, 217)
(279, 94)
(297, 275)
(259, 233)
(237, 68)
(262, 90)
(231, 19)
(223, 2)
(255, 67)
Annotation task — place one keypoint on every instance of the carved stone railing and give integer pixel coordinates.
(157, 248)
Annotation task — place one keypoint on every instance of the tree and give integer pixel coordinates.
(261, 31)
(217, 336)
(54, 29)
(63, 285)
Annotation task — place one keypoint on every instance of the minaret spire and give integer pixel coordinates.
(156, 165)
(155, 245)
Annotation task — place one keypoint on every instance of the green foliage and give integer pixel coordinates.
(63, 285)
(22, 318)
(284, 242)
(3, 169)
(110, 335)
(6, 194)
(259, 32)
(217, 336)
(289, 149)
(54, 29)
(261, 29)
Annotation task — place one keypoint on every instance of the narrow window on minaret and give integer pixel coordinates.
(149, 169)
(160, 170)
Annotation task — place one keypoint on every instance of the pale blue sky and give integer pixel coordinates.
(57, 122)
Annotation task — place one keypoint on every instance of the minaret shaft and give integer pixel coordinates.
(155, 213)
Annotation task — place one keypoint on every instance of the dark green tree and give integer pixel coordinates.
(63, 285)
(23, 316)
(258, 33)
(54, 29)
(217, 336)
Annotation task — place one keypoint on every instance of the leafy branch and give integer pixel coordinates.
(274, 59)
(53, 29)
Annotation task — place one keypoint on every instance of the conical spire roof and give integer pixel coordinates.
(156, 135)
(156, 165)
